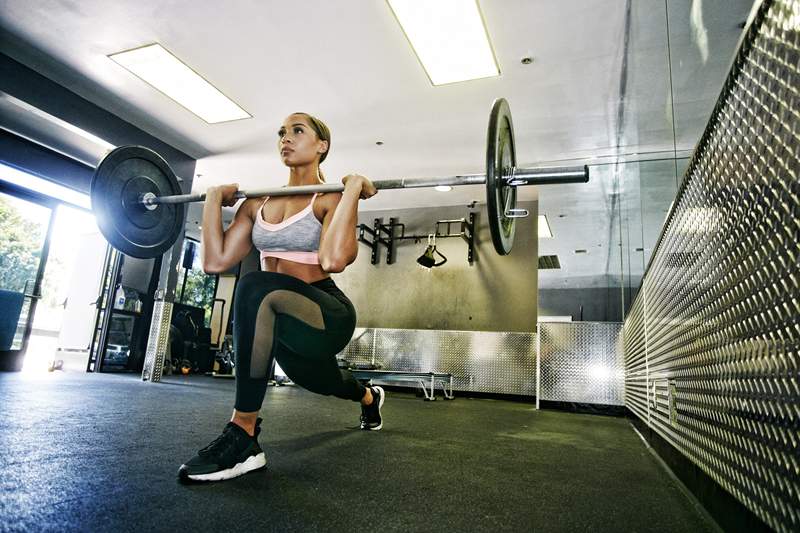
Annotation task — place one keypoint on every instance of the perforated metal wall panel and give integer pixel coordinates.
(634, 342)
(480, 361)
(712, 343)
(157, 341)
(581, 362)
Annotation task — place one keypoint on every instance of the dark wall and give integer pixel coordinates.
(591, 304)
(34, 158)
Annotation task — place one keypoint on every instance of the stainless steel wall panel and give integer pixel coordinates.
(480, 361)
(581, 362)
(157, 341)
(634, 348)
(361, 348)
(712, 343)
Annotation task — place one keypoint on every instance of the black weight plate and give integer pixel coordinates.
(501, 158)
(119, 181)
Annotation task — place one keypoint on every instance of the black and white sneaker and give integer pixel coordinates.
(371, 414)
(228, 456)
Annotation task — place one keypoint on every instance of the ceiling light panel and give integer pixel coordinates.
(157, 66)
(449, 38)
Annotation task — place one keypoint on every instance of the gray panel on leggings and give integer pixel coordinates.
(279, 302)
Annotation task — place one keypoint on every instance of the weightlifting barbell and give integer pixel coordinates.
(136, 196)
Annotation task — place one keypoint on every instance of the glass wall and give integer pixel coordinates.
(674, 58)
(195, 287)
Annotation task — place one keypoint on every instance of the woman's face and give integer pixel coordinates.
(298, 143)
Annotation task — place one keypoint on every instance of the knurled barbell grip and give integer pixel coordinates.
(518, 177)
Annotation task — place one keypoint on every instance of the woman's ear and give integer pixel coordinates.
(323, 148)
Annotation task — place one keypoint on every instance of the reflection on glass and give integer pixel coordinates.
(118, 350)
(603, 234)
(702, 41)
(674, 57)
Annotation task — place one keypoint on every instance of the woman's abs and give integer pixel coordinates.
(304, 272)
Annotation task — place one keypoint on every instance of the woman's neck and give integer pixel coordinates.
(304, 175)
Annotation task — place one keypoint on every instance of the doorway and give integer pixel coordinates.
(51, 257)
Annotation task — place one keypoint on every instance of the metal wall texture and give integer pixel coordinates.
(480, 361)
(581, 362)
(157, 341)
(712, 343)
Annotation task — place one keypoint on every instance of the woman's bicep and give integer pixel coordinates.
(332, 202)
(237, 240)
(338, 245)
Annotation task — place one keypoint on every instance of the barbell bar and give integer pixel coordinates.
(136, 195)
(519, 176)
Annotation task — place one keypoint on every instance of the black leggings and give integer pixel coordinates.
(302, 326)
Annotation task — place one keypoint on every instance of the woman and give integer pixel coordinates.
(291, 311)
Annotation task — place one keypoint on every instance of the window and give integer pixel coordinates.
(195, 287)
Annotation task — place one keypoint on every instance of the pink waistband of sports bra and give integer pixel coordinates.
(307, 258)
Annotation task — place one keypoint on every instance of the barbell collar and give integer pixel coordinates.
(549, 176)
(519, 176)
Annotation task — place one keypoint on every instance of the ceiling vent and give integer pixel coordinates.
(548, 262)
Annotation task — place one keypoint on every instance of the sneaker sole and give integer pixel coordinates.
(254, 462)
(380, 404)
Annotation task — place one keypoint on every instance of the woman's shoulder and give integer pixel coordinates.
(250, 206)
(325, 203)
(329, 199)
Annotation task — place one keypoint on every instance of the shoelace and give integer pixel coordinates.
(221, 444)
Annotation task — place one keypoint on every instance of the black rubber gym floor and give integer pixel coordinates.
(86, 452)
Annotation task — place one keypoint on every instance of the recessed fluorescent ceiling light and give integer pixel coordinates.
(444, 188)
(544, 228)
(155, 65)
(449, 38)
